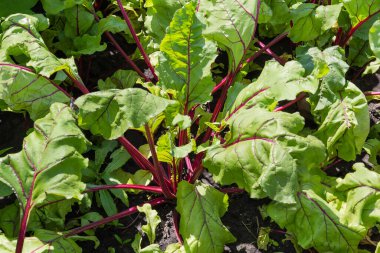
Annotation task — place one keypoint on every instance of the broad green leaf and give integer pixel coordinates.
(167, 150)
(345, 123)
(5, 190)
(362, 187)
(201, 207)
(360, 9)
(274, 17)
(56, 6)
(183, 121)
(275, 83)
(313, 18)
(9, 220)
(113, 173)
(118, 158)
(52, 217)
(372, 148)
(121, 79)
(374, 38)
(77, 21)
(232, 24)
(262, 154)
(8, 7)
(50, 163)
(113, 24)
(21, 37)
(314, 223)
(373, 67)
(112, 112)
(39, 243)
(175, 248)
(339, 107)
(158, 16)
(23, 90)
(152, 220)
(274, 12)
(186, 58)
(360, 52)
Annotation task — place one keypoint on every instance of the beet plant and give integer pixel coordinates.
(196, 93)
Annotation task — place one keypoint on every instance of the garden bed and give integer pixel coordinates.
(189, 126)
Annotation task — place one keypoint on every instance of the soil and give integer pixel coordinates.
(243, 217)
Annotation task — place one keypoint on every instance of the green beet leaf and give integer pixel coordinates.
(56, 6)
(47, 241)
(186, 59)
(23, 90)
(339, 107)
(362, 188)
(121, 79)
(8, 7)
(274, 17)
(360, 52)
(360, 9)
(201, 207)
(112, 112)
(313, 18)
(374, 38)
(232, 24)
(315, 223)
(21, 38)
(158, 16)
(152, 220)
(50, 164)
(275, 83)
(262, 154)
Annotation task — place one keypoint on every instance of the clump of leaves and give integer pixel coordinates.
(245, 131)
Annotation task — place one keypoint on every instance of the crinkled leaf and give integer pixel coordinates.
(21, 37)
(121, 79)
(315, 223)
(345, 123)
(275, 83)
(313, 18)
(50, 163)
(186, 58)
(339, 107)
(201, 207)
(262, 154)
(152, 220)
(232, 24)
(24, 90)
(362, 208)
(374, 38)
(136, 246)
(112, 112)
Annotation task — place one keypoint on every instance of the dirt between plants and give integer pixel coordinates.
(243, 217)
